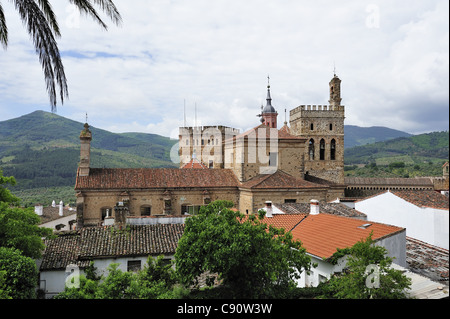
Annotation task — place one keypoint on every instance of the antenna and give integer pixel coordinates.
(184, 112)
(86, 118)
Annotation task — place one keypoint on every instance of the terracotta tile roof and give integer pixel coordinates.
(279, 179)
(194, 163)
(287, 222)
(322, 234)
(141, 178)
(424, 198)
(81, 246)
(52, 213)
(326, 208)
(427, 260)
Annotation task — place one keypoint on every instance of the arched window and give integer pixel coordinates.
(311, 149)
(146, 210)
(333, 149)
(322, 149)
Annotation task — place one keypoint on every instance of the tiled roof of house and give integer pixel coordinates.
(427, 260)
(322, 234)
(141, 178)
(88, 243)
(327, 208)
(279, 179)
(194, 163)
(423, 198)
(52, 213)
(287, 221)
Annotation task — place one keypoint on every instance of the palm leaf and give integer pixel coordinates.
(85, 7)
(3, 29)
(46, 47)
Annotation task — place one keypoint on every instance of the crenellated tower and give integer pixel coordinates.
(323, 127)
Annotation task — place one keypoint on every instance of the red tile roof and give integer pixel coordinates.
(194, 163)
(279, 179)
(322, 234)
(424, 198)
(263, 130)
(143, 178)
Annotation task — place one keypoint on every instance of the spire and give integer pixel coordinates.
(268, 113)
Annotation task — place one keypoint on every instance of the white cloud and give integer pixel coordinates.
(392, 58)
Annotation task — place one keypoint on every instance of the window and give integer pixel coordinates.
(311, 149)
(333, 150)
(290, 200)
(211, 164)
(133, 265)
(331, 126)
(312, 127)
(190, 209)
(322, 149)
(273, 157)
(146, 210)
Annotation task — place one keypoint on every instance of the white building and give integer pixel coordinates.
(424, 214)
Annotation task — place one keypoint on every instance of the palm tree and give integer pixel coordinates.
(41, 24)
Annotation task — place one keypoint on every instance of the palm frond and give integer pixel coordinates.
(46, 47)
(85, 7)
(49, 15)
(3, 29)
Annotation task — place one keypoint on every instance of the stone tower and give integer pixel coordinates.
(85, 152)
(323, 127)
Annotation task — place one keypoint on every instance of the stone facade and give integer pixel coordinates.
(323, 127)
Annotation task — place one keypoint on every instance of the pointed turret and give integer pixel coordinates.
(269, 114)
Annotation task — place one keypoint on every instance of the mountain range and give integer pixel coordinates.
(42, 149)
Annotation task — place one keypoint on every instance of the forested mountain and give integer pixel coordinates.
(355, 135)
(42, 149)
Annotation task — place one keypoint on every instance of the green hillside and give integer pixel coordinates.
(418, 155)
(355, 135)
(41, 150)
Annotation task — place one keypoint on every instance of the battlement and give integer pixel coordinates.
(320, 108)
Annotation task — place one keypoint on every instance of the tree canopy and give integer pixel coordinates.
(251, 258)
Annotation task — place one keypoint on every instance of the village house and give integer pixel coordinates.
(423, 213)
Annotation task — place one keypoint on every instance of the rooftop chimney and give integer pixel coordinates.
(53, 204)
(61, 208)
(39, 209)
(269, 211)
(314, 207)
(120, 215)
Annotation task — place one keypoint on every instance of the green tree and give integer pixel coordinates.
(254, 260)
(18, 275)
(41, 24)
(5, 194)
(19, 228)
(368, 275)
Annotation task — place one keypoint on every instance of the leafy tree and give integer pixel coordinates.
(18, 275)
(254, 260)
(5, 194)
(368, 275)
(19, 229)
(41, 23)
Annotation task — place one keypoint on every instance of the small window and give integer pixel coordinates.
(331, 126)
(311, 149)
(290, 200)
(146, 210)
(273, 159)
(312, 127)
(133, 265)
(106, 211)
(211, 164)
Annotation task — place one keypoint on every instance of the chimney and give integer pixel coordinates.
(314, 207)
(269, 210)
(53, 204)
(120, 215)
(39, 209)
(61, 208)
(85, 152)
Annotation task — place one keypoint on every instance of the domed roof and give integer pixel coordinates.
(269, 108)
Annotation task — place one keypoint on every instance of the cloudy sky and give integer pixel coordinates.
(215, 55)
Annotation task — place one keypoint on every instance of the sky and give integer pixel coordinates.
(208, 61)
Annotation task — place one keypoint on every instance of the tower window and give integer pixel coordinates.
(333, 150)
(322, 149)
(311, 149)
(331, 126)
(312, 126)
(146, 210)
